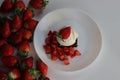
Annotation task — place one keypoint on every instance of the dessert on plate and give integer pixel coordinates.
(60, 45)
(67, 36)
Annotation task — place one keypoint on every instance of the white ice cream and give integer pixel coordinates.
(70, 41)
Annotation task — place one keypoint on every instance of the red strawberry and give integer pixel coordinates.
(5, 32)
(27, 63)
(66, 61)
(38, 4)
(24, 49)
(14, 74)
(46, 78)
(2, 75)
(2, 42)
(9, 61)
(16, 23)
(19, 5)
(7, 50)
(42, 67)
(30, 74)
(26, 34)
(7, 5)
(65, 32)
(17, 38)
(30, 24)
(77, 53)
(28, 14)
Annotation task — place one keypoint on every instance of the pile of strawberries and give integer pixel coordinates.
(16, 32)
(55, 50)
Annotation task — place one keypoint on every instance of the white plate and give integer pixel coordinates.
(89, 41)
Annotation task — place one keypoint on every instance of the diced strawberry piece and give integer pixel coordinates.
(72, 55)
(54, 52)
(54, 40)
(48, 40)
(77, 53)
(66, 49)
(50, 33)
(54, 58)
(71, 49)
(54, 47)
(66, 61)
(62, 57)
(47, 49)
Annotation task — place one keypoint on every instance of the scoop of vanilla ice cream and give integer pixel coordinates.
(70, 40)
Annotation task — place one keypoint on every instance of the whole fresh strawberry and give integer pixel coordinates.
(42, 67)
(30, 24)
(9, 61)
(16, 23)
(14, 74)
(2, 75)
(24, 49)
(17, 38)
(27, 14)
(46, 78)
(27, 63)
(38, 4)
(65, 32)
(26, 34)
(30, 74)
(7, 50)
(7, 5)
(19, 5)
(5, 31)
(2, 42)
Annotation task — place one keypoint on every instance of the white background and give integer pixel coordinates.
(106, 13)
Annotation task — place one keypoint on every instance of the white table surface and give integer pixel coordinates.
(106, 13)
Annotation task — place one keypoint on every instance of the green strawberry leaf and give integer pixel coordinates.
(59, 36)
(13, 1)
(34, 72)
(23, 54)
(45, 3)
(18, 11)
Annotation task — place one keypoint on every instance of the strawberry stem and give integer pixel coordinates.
(34, 72)
(59, 36)
(45, 3)
(18, 11)
(23, 53)
(13, 1)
